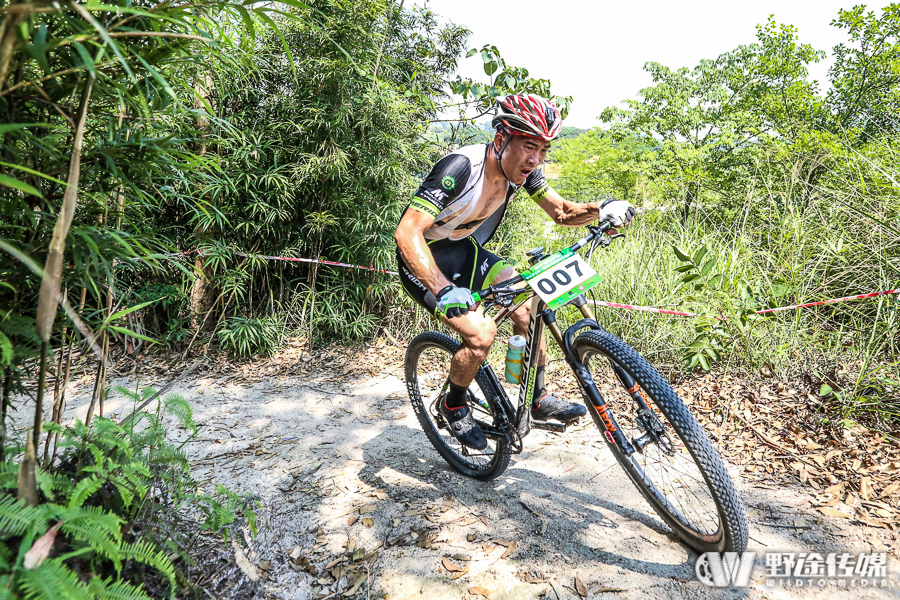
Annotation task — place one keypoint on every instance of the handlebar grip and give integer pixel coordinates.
(477, 296)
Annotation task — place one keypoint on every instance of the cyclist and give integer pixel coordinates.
(441, 234)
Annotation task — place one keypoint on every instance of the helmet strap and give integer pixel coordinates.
(499, 154)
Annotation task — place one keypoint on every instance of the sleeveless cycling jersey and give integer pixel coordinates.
(451, 191)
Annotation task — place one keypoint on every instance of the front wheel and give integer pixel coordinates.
(427, 373)
(676, 469)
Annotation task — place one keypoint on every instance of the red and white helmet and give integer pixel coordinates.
(528, 114)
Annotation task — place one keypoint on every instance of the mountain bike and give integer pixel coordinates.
(650, 431)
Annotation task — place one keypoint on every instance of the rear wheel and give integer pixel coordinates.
(427, 371)
(677, 470)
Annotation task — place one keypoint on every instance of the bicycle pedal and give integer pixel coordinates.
(557, 427)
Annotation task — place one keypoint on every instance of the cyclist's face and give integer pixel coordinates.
(522, 156)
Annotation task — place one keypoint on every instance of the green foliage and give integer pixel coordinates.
(245, 337)
(594, 165)
(223, 508)
(101, 489)
(504, 80)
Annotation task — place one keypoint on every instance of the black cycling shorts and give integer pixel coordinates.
(463, 262)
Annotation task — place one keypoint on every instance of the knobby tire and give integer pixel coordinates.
(730, 534)
(483, 465)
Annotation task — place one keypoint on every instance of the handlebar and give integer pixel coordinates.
(502, 288)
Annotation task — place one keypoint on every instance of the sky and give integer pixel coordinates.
(595, 50)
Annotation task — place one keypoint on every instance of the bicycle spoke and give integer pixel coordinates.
(674, 476)
(431, 374)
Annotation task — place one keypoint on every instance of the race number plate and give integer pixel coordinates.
(559, 279)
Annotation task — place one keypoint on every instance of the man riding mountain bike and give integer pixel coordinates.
(456, 210)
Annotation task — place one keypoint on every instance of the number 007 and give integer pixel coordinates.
(560, 276)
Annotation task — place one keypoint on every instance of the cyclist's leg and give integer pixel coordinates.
(461, 262)
(456, 260)
(544, 405)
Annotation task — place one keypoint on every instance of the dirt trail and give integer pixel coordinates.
(344, 467)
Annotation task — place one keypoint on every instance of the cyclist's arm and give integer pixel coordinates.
(568, 214)
(563, 212)
(415, 252)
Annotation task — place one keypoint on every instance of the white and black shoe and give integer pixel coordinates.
(463, 426)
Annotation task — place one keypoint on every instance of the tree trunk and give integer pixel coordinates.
(203, 293)
(9, 38)
(49, 297)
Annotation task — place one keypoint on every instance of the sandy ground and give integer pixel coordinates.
(344, 471)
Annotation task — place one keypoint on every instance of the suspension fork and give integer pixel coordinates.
(594, 400)
(631, 386)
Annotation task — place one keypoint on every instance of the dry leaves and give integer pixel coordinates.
(775, 432)
(477, 590)
(579, 587)
(456, 570)
(41, 548)
(510, 547)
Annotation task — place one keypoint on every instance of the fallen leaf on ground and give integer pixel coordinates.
(450, 566)
(833, 512)
(265, 565)
(579, 587)
(301, 563)
(356, 583)
(352, 520)
(479, 590)
(243, 564)
(510, 549)
(363, 510)
(471, 537)
(368, 522)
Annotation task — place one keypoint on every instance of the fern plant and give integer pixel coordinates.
(97, 491)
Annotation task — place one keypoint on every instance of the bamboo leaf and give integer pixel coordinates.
(102, 31)
(129, 333)
(129, 310)
(19, 185)
(32, 171)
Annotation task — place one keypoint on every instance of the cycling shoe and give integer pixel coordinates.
(551, 407)
(463, 426)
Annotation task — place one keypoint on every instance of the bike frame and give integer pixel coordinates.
(539, 318)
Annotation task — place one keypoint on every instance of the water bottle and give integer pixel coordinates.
(514, 358)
